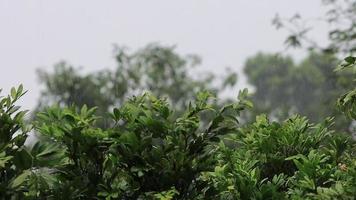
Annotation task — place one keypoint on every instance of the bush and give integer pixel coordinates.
(151, 152)
(288, 160)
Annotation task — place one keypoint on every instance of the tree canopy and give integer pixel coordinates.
(309, 88)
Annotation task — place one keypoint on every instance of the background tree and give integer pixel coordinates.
(155, 68)
(340, 17)
(66, 86)
(347, 102)
(309, 88)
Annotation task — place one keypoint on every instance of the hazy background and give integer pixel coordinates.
(37, 34)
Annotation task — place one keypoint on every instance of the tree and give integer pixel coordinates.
(266, 72)
(340, 16)
(162, 71)
(146, 152)
(309, 88)
(155, 68)
(67, 86)
(347, 102)
(26, 171)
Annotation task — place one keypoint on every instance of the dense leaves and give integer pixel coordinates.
(147, 153)
(156, 68)
(309, 88)
(150, 152)
(177, 142)
(347, 102)
(25, 170)
(289, 160)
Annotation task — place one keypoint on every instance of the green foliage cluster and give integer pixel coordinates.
(155, 68)
(289, 160)
(347, 102)
(309, 88)
(339, 18)
(282, 87)
(95, 143)
(146, 151)
(149, 152)
(25, 170)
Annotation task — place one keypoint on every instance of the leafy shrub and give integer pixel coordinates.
(147, 153)
(152, 152)
(25, 171)
(347, 102)
(288, 160)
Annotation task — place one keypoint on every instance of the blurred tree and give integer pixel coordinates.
(155, 68)
(66, 86)
(160, 70)
(347, 102)
(266, 72)
(310, 88)
(340, 17)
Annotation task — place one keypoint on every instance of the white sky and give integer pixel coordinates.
(39, 33)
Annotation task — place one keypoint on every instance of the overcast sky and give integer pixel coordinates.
(37, 34)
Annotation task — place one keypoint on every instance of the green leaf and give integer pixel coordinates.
(4, 159)
(19, 90)
(117, 114)
(84, 110)
(23, 159)
(13, 93)
(20, 179)
(350, 59)
(130, 138)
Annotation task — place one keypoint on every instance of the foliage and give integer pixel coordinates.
(288, 160)
(347, 102)
(150, 153)
(163, 152)
(147, 153)
(26, 171)
(310, 88)
(155, 68)
(173, 144)
(340, 17)
(92, 89)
